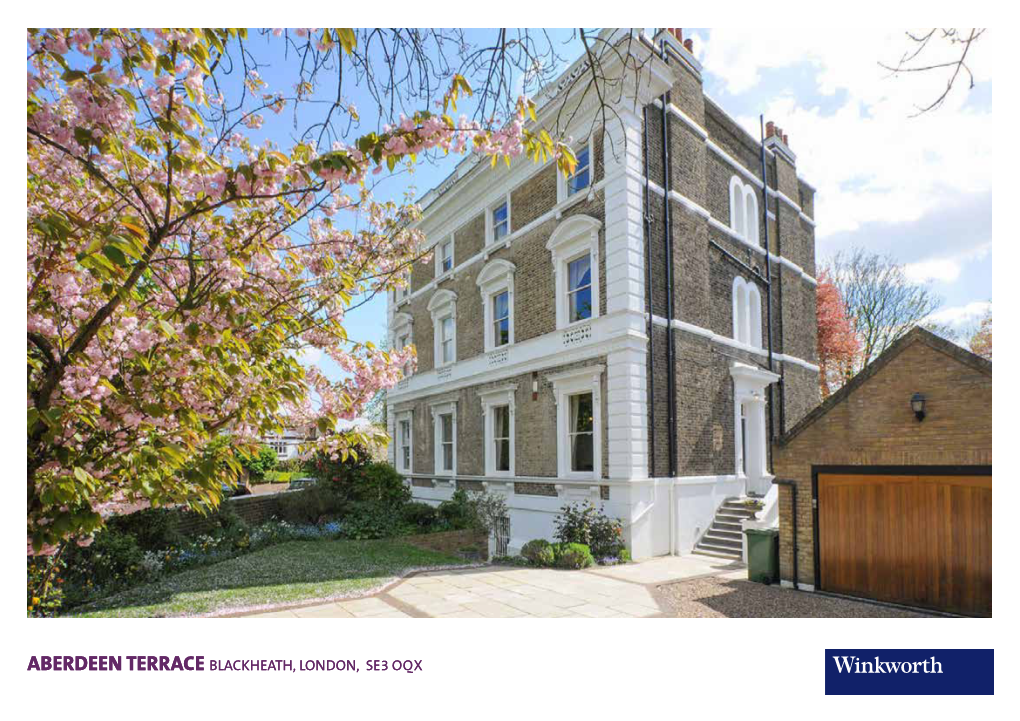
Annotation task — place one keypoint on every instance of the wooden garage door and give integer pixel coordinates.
(923, 540)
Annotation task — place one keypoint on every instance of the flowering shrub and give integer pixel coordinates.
(583, 523)
(45, 585)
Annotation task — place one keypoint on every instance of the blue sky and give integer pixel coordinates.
(918, 189)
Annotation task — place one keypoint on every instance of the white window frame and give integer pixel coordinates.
(492, 399)
(402, 325)
(561, 181)
(442, 305)
(496, 277)
(746, 313)
(490, 224)
(439, 256)
(568, 383)
(446, 408)
(572, 238)
(744, 218)
(405, 417)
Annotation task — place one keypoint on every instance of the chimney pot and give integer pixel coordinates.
(786, 139)
(770, 129)
(689, 44)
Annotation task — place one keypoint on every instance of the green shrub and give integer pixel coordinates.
(539, 552)
(153, 528)
(259, 463)
(624, 555)
(422, 516)
(365, 520)
(573, 555)
(45, 585)
(583, 523)
(458, 513)
(380, 483)
(309, 505)
(113, 560)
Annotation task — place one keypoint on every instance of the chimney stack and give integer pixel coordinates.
(689, 45)
(678, 33)
(786, 140)
(770, 129)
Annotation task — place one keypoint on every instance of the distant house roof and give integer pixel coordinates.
(914, 335)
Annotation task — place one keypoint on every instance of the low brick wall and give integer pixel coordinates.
(252, 510)
(473, 543)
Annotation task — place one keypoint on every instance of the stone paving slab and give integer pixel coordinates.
(506, 592)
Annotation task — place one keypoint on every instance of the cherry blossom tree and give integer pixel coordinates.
(838, 345)
(177, 268)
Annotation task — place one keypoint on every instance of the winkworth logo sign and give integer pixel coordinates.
(885, 671)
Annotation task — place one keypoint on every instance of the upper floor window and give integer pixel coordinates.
(575, 253)
(501, 221)
(498, 407)
(581, 178)
(444, 262)
(579, 288)
(744, 220)
(746, 313)
(402, 335)
(443, 307)
(496, 283)
(497, 220)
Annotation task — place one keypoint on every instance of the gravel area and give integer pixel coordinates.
(732, 598)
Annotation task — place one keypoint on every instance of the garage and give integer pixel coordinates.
(916, 536)
(885, 487)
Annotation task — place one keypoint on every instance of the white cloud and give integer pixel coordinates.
(961, 315)
(867, 158)
(945, 269)
(308, 355)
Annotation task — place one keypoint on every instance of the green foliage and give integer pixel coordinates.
(113, 560)
(45, 585)
(369, 520)
(573, 555)
(260, 462)
(421, 516)
(310, 505)
(152, 528)
(539, 552)
(583, 523)
(458, 513)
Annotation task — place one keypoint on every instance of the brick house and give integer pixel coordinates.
(570, 348)
(891, 481)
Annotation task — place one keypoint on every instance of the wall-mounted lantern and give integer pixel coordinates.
(917, 405)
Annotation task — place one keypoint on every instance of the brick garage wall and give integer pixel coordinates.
(464, 543)
(874, 426)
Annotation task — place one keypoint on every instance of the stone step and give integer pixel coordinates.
(730, 518)
(723, 540)
(723, 525)
(714, 554)
(717, 547)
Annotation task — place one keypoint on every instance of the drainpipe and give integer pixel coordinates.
(793, 490)
(648, 302)
(670, 350)
(768, 275)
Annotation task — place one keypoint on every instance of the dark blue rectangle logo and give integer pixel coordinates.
(899, 672)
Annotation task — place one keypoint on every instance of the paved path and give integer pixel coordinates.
(502, 592)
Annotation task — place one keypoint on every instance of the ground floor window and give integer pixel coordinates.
(404, 438)
(582, 433)
(446, 441)
(501, 437)
(498, 408)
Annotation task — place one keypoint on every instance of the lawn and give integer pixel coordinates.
(286, 573)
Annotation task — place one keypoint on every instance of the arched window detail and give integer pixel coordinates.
(744, 220)
(746, 313)
(738, 218)
(443, 307)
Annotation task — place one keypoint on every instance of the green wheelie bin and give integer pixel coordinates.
(762, 554)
